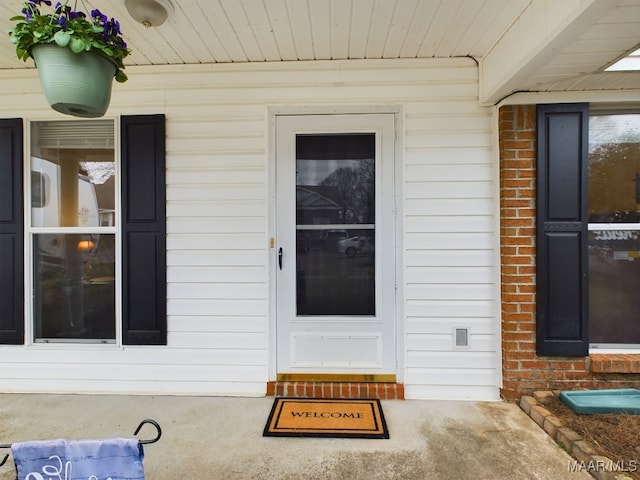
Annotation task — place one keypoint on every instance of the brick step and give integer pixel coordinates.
(381, 391)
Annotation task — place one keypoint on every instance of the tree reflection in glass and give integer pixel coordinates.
(335, 224)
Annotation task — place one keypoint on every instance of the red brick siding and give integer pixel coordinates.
(523, 371)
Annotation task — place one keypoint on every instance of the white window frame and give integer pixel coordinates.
(614, 347)
(30, 232)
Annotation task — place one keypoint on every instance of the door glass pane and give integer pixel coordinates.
(335, 224)
(74, 286)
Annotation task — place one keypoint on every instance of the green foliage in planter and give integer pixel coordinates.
(68, 28)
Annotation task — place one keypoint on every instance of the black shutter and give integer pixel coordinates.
(561, 278)
(144, 273)
(11, 233)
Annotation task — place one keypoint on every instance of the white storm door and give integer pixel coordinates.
(335, 244)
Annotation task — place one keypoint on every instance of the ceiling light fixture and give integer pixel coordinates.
(150, 13)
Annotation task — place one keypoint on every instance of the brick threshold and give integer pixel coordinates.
(340, 390)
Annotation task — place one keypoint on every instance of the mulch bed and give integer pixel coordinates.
(616, 436)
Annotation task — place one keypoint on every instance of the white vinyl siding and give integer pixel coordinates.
(219, 225)
(451, 272)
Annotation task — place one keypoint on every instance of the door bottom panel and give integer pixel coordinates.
(337, 350)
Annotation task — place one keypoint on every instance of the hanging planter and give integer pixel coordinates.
(77, 57)
(77, 84)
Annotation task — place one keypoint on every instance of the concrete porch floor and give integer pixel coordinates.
(221, 438)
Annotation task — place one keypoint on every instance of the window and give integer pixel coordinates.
(73, 253)
(72, 231)
(614, 229)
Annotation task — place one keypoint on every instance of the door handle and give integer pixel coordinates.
(280, 258)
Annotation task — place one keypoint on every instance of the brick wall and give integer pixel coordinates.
(523, 371)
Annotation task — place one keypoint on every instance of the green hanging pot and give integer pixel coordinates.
(77, 84)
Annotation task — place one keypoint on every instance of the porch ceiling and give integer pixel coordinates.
(531, 45)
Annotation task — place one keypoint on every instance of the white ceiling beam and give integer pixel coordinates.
(543, 29)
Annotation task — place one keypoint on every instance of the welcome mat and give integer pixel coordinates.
(322, 417)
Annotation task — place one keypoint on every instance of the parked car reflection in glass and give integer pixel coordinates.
(356, 245)
(332, 238)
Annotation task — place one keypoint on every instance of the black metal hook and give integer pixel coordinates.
(4, 460)
(158, 433)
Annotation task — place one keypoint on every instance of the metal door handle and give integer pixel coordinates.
(280, 258)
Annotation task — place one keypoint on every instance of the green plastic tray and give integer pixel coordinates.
(621, 400)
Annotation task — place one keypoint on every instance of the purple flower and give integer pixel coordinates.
(98, 15)
(31, 8)
(27, 14)
(61, 9)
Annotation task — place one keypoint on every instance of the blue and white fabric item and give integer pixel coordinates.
(108, 459)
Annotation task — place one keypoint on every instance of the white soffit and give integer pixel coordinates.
(521, 45)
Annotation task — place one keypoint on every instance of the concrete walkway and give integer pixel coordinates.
(221, 438)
